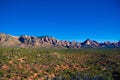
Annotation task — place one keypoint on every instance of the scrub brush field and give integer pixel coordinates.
(59, 64)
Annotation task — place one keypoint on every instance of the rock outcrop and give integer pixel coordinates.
(9, 40)
(27, 39)
(3, 37)
(90, 43)
(47, 41)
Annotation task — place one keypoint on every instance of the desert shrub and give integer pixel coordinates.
(97, 64)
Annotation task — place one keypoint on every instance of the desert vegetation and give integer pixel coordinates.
(59, 64)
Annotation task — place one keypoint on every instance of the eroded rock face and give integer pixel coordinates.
(27, 39)
(75, 44)
(90, 43)
(109, 44)
(44, 41)
(47, 39)
(3, 37)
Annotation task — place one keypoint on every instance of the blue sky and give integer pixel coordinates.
(64, 19)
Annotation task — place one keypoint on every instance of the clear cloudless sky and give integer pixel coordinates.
(63, 19)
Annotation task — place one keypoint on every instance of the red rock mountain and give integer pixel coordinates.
(47, 41)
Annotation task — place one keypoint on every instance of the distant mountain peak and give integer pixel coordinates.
(48, 41)
(88, 40)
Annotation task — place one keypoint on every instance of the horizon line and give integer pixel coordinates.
(77, 40)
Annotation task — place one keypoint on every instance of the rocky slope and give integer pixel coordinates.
(47, 41)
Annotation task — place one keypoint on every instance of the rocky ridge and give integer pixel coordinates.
(47, 41)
